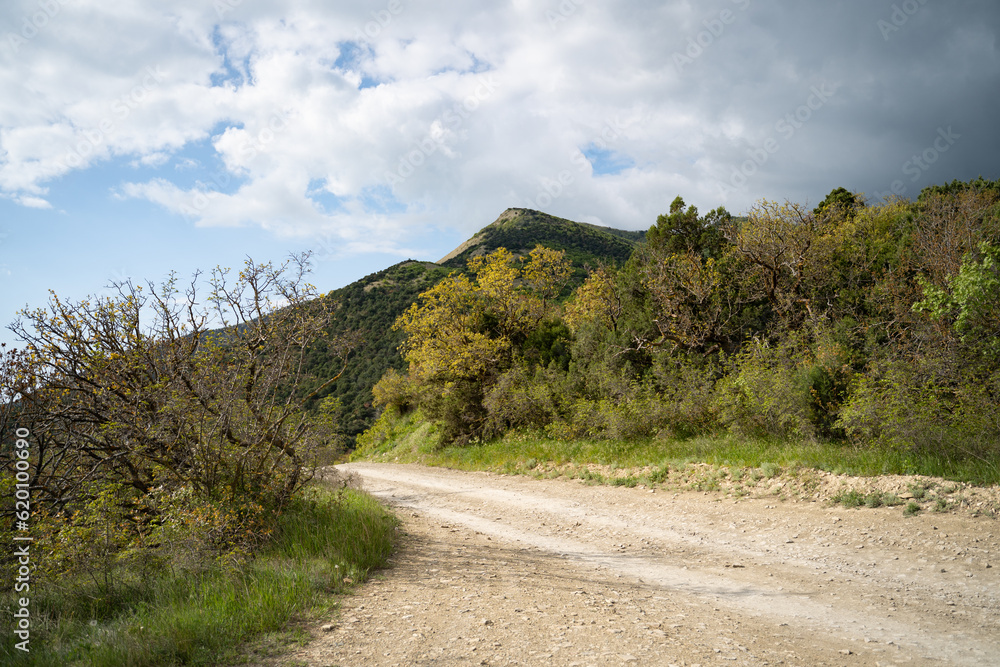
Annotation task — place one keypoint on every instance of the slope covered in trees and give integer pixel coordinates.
(867, 323)
(367, 308)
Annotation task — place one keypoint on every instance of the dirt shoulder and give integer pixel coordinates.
(510, 570)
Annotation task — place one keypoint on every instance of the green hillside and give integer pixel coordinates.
(370, 306)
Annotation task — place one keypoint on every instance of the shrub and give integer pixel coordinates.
(392, 429)
(520, 399)
(766, 392)
(396, 391)
(919, 405)
(686, 385)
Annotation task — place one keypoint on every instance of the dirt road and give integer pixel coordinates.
(506, 570)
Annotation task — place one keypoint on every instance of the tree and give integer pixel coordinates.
(951, 223)
(684, 271)
(463, 334)
(776, 240)
(681, 230)
(546, 273)
(692, 311)
(137, 393)
(448, 332)
(599, 299)
(971, 303)
(841, 202)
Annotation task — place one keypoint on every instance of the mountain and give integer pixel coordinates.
(519, 230)
(371, 305)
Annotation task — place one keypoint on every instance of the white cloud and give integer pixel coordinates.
(156, 159)
(33, 202)
(414, 117)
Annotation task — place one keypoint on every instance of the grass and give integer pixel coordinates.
(327, 541)
(411, 440)
(854, 498)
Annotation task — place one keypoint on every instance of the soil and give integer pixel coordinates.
(515, 570)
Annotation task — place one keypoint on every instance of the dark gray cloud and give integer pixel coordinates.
(901, 72)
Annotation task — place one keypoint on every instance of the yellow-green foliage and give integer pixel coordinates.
(464, 333)
(598, 299)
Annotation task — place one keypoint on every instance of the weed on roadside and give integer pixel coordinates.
(873, 500)
(855, 498)
(852, 498)
(660, 475)
(627, 481)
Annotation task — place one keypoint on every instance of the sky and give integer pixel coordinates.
(140, 138)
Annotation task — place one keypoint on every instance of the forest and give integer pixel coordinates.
(870, 324)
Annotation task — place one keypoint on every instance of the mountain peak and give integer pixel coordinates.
(521, 229)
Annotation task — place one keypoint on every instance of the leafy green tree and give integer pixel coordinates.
(971, 302)
(978, 185)
(682, 230)
(841, 202)
(674, 291)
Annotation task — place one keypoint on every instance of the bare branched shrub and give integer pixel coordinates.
(189, 406)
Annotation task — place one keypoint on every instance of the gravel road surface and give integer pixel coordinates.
(511, 570)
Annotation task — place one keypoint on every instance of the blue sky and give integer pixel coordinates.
(138, 138)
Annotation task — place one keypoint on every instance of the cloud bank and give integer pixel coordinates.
(375, 123)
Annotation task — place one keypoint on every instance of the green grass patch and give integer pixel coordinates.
(408, 439)
(327, 540)
(850, 498)
(854, 498)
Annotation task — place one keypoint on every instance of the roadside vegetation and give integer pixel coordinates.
(413, 440)
(170, 436)
(211, 612)
(728, 465)
(165, 461)
(851, 337)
